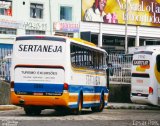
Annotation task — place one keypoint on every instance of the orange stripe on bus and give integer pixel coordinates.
(91, 98)
(106, 97)
(74, 98)
(40, 100)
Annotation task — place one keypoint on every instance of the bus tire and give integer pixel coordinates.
(101, 105)
(37, 111)
(78, 110)
(94, 109)
(32, 110)
(62, 110)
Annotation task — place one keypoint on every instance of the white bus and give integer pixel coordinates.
(58, 72)
(145, 80)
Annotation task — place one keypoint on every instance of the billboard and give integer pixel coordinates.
(66, 26)
(140, 12)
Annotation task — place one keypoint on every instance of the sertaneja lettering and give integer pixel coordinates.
(39, 48)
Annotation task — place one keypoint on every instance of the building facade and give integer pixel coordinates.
(137, 20)
(67, 17)
(47, 17)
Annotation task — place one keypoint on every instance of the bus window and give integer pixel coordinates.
(73, 56)
(100, 61)
(158, 62)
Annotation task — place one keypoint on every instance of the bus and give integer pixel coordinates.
(60, 73)
(145, 80)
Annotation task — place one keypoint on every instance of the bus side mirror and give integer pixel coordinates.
(106, 68)
(158, 63)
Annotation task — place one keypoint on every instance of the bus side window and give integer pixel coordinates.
(158, 62)
(73, 55)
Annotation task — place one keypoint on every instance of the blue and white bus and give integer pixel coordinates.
(58, 72)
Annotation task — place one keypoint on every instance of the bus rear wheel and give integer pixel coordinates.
(78, 110)
(100, 107)
(32, 110)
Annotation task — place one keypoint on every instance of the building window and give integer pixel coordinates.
(34, 32)
(66, 13)
(8, 31)
(64, 34)
(6, 8)
(36, 10)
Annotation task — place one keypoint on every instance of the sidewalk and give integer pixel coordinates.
(110, 106)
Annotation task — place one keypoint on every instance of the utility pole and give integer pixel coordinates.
(126, 28)
(50, 17)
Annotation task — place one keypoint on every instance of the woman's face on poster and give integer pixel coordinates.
(102, 4)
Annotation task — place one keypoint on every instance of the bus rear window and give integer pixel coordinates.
(140, 75)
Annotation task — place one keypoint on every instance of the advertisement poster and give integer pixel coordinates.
(39, 75)
(140, 12)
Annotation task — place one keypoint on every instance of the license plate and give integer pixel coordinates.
(39, 94)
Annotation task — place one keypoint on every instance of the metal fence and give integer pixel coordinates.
(120, 68)
(5, 63)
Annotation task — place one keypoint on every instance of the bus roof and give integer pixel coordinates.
(87, 43)
(59, 38)
(83, 41)
(132, 50)
(41, 37)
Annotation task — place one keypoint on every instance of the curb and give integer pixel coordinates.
(8, 107)
(131, 106)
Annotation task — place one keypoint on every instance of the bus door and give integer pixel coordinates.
(158, 94)
(157, 74)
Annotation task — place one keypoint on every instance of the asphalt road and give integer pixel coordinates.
(109, 117)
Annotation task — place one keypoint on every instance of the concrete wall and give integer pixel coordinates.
(120, 93)
(4, 93)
